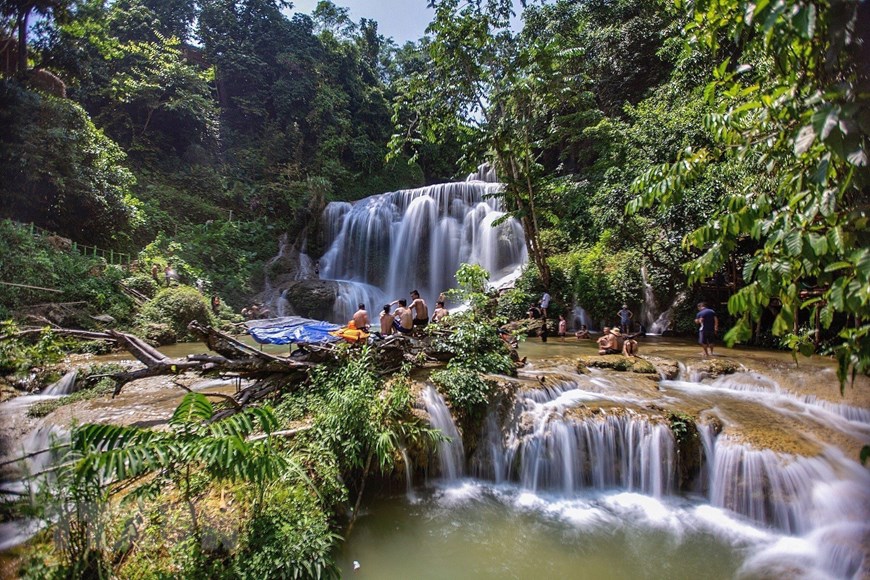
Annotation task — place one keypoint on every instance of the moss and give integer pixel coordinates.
(617, 362)
(176, 307)
(715, 367)
(104, 387)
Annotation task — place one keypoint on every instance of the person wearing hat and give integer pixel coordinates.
(625, 317)
(607, 343)
(618, 340)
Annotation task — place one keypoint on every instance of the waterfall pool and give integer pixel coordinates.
(470, 529)
(581, 477)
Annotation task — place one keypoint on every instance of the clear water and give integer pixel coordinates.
(473, 530)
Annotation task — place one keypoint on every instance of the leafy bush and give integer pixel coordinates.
(467, 391)
(602, 280)
(290, 538)
(142, 283)
(31, 260)
(176, 307)
(18, 356)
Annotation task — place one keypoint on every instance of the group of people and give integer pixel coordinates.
(405, 318)
(613, 341)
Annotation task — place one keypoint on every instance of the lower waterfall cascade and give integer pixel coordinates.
(592, 446)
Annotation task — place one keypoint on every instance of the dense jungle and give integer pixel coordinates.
(166, 165)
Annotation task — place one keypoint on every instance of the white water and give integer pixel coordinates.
(64, 386)
(451, 454)
(790, 515)
(384, 246)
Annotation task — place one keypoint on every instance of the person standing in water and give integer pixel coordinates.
(708, 327)
(563, 327)
(625, 317)
(545, 303)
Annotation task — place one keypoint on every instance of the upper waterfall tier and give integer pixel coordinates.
(389, 244)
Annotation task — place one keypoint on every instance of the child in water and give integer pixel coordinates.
(563, 327)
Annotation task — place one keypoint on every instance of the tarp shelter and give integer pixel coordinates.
(291, 330)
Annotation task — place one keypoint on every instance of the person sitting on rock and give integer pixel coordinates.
(421, 311)
(607, 342)
(361, 318)
(386, 320)
(629, 346)
(403, 321)
(582, 333)
(534, 312)
(440, 311)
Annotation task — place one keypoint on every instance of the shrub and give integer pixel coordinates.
(142, 283)
(176, 307)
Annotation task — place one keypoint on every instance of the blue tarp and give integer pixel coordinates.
(291, 330)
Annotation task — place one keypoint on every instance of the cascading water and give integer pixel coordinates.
(544, 450)
(649, 309)
(384, 246)
(600, 447)
(451, 454)
(64, 386)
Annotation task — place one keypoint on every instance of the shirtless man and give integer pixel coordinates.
(440, 311)
(386, 321)
(403, 321)
(421, 311)
(361, 318)
(607, 342)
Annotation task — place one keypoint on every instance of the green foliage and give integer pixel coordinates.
(792, 106)
(683, 427)
(18, 357)
(468, 393)
(602, 280)
(142, 283)
(176, 307)
(32, 260)
(60, 171)
(290, 538)
(362, 420)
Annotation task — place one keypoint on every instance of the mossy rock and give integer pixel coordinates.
(142, 283)
(158, 333)
(314, 298)
(617, 362)
(715, 367)
(176, 307)
(667, 368)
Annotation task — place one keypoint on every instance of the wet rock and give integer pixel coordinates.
(159, 333)
(668, 369)
(312, 298)
(715, 367)
(617, 362)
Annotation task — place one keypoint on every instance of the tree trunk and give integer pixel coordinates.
(22, 40)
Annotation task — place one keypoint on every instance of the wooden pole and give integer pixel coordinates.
(32, 287)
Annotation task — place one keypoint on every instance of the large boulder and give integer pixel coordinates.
(312, 298)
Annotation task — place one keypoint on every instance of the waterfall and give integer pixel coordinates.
(485, 172)
(649, 309)
(64, 386)
(627, 452)
(582, 317)
(409, 474)
(665, 320)
(382, 247)
(451, 453)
